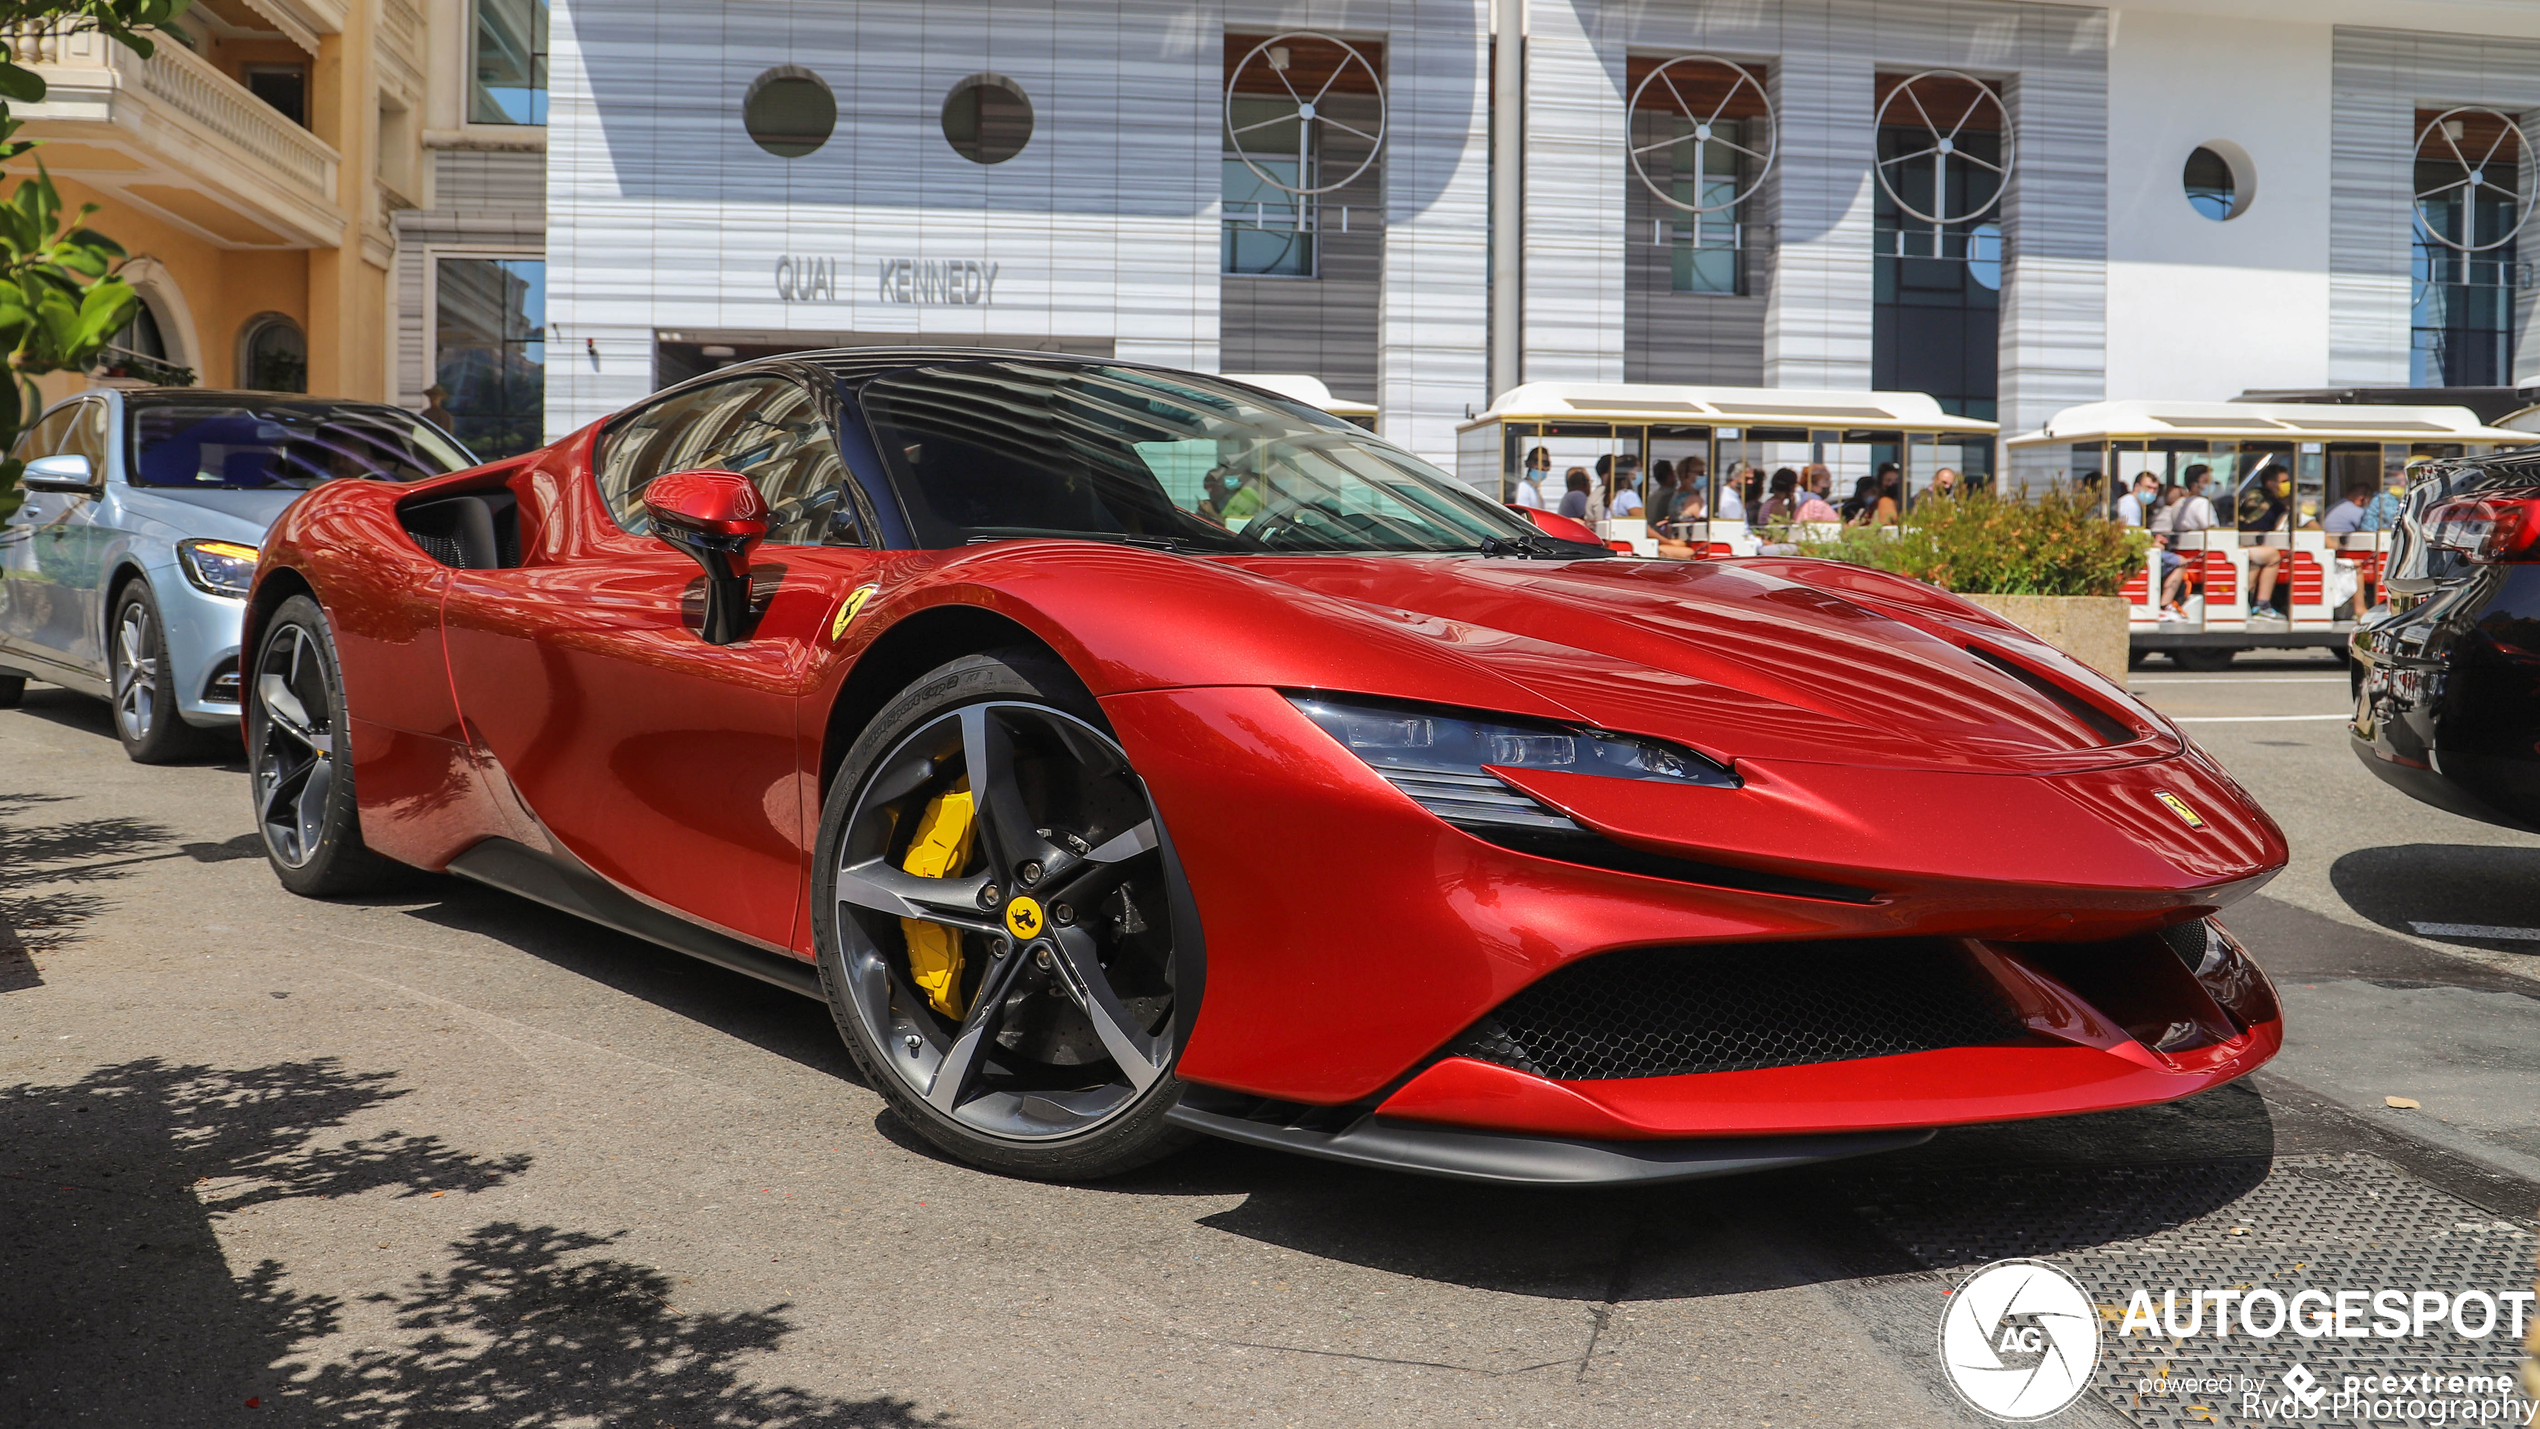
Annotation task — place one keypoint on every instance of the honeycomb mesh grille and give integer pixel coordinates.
(1662, 1012)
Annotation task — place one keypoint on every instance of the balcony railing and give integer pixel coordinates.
(86, 74)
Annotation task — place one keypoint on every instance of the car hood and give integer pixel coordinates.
(1747, 660)
(240, 516)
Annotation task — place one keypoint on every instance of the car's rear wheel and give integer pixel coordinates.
(301, 762)
(142, 683)
(996, 913)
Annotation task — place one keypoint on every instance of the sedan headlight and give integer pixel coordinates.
(1442, 759)
(218, 567)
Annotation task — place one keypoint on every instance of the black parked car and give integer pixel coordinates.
(2447, 675)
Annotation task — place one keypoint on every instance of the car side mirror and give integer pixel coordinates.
(716, 518)
(67, 472)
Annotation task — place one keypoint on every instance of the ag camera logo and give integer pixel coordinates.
(2019, 1340)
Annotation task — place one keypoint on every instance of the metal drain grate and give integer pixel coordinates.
(2350, 1221)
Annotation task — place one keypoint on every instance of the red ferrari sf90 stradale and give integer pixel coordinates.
(1125, 754)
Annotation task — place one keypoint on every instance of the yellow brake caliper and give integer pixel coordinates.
(939, 850)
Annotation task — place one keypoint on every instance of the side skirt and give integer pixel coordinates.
(1501, 1158)
(568, 886)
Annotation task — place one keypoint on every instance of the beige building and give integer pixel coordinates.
(300, 182)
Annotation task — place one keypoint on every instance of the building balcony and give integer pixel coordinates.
(177, 138)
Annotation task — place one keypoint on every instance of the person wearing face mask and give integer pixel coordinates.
(1530, 481)
(2267, 511)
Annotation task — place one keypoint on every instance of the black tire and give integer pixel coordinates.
(1063, 1072)
(12, 691)
(141, 684)
(2203, 657)
(300, 765)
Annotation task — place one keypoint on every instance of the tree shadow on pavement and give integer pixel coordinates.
(121, 1307)
(37, 915)
(2445, 885)
(526, 1327)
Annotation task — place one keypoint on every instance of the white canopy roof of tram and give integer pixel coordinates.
(1726, 407)
(1298, 387)
(2262, 421)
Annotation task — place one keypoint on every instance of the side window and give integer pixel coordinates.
(769, 429)
(45, 437)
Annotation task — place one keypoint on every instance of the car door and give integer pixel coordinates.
(671, 766)
(49, 549)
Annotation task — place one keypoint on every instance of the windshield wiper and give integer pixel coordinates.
(1113, 538)
(1537, 547)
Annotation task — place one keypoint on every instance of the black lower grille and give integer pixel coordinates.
(1662, 1012)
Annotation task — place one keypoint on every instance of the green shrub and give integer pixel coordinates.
(2056, 543)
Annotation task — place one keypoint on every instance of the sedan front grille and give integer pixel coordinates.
(1662, 1012)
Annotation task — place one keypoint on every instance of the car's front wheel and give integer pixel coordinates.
(301, 761)
(143, 684)
(997, 915)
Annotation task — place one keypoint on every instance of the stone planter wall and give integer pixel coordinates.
(2090, 628)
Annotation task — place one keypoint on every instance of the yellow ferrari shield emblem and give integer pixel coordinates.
(1023, 919)
(849, 608)
(2178, 806)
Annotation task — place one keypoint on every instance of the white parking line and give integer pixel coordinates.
(2477, 930)
(2249, 719)
(2264, 680)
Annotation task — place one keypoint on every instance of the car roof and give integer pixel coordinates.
(191, 396)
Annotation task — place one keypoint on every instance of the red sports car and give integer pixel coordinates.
(1125, 754)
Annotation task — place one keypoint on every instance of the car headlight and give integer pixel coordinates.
(218, 567)
(1443, 759)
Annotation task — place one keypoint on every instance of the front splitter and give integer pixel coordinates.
(1499, 1158)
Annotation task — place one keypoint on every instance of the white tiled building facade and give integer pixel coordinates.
(666, 223)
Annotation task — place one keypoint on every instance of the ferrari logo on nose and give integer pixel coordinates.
(2178, 806)
(1023, 919)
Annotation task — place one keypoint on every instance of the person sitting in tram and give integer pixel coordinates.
(1816, 482)
(1864, 498)
(1944, 482)
(1814, 508)
(2267, 509)
(1887, 500)
(1733, 494)
(1574, 501)
(1782, 507)
(2193, 511)
(2345, 519)
(2135, 508)
(1626, 502)
(1530, 480)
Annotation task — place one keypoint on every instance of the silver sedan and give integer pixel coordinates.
(124, 568)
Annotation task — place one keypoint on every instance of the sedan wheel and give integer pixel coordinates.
(1001, 913)
(142, 684)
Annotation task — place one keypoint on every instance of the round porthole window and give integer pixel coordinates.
(2219, 180)
(987, 119)
(789, 111)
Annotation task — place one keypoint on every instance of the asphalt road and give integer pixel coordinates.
(451, 1158)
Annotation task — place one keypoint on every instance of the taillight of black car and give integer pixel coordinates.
(2490, 527)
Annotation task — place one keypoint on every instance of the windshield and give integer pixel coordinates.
(247, 444)
(989, 450)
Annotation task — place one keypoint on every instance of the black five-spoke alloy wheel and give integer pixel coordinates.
(301, 765)
(997, 923)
